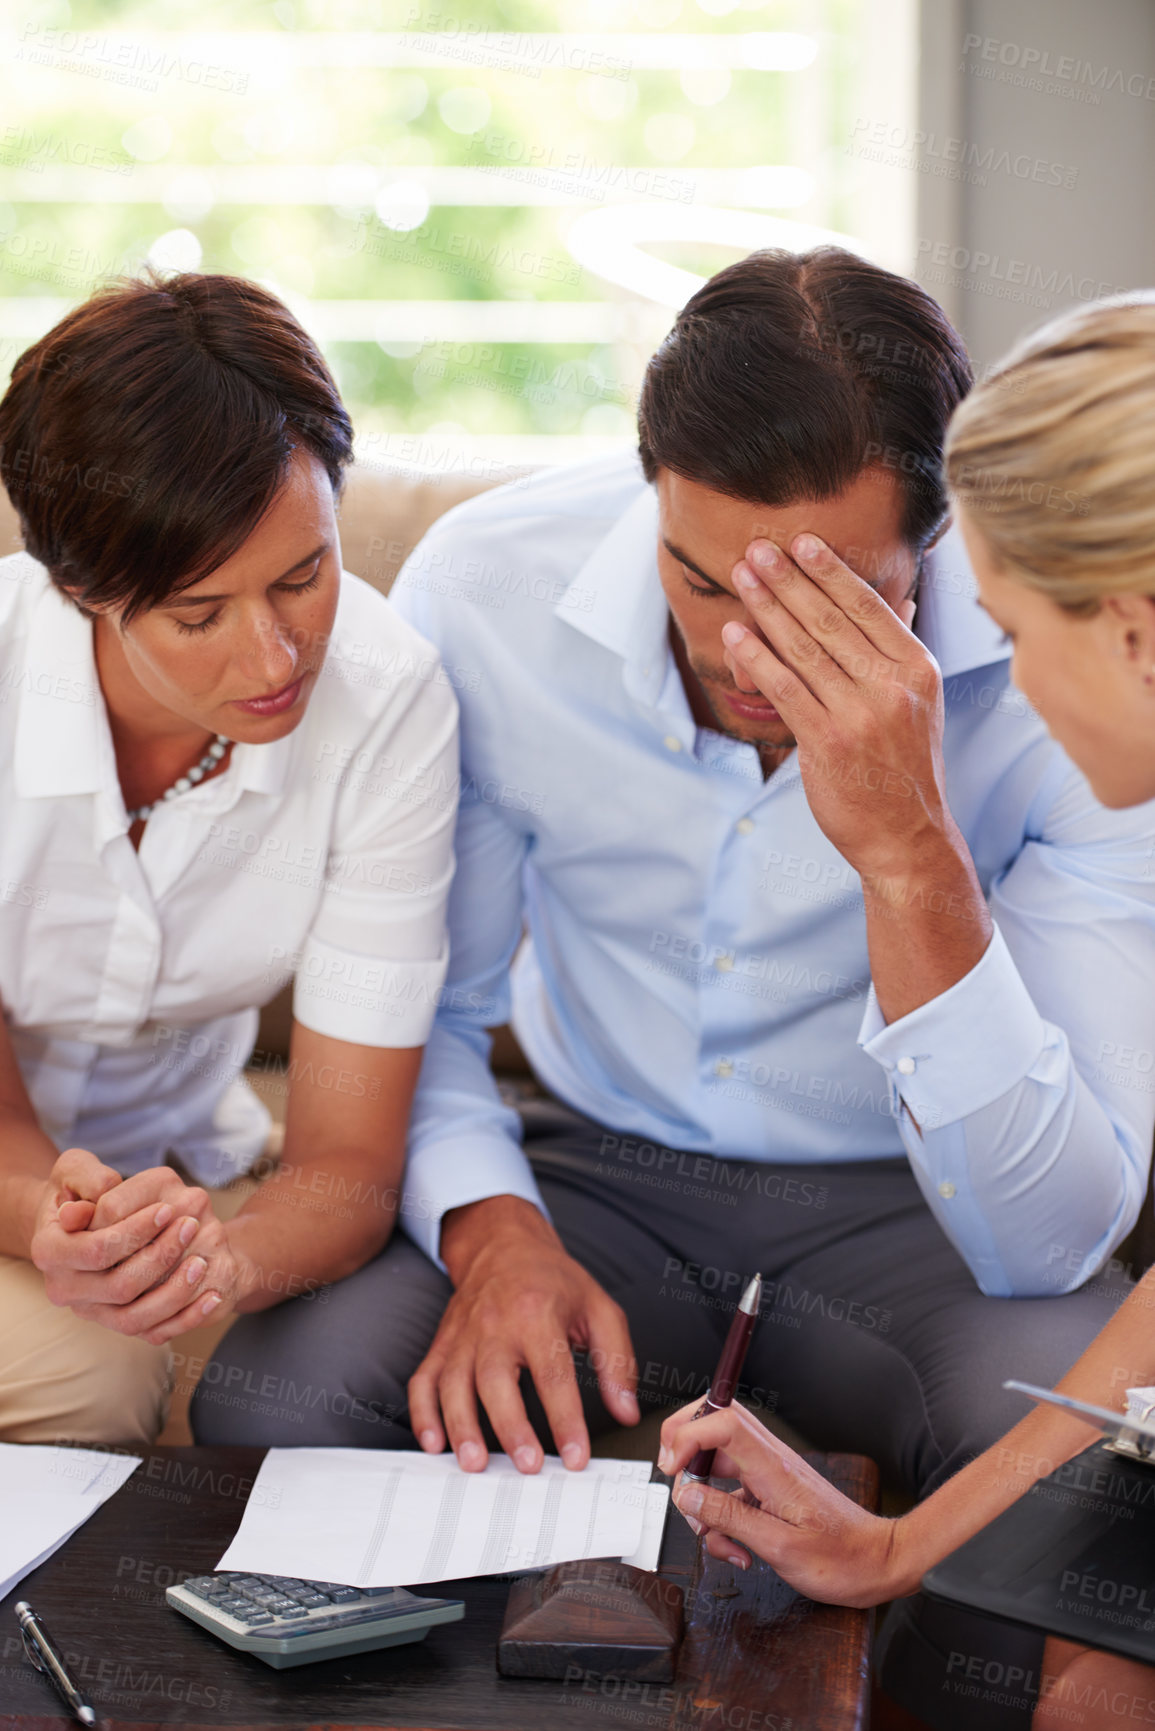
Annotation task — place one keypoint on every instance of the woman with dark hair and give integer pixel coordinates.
(225, 763)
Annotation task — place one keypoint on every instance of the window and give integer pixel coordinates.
(485, 215)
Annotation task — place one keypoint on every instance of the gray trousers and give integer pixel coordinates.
(873, 1338)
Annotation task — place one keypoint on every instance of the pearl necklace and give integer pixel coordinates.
(189, 779)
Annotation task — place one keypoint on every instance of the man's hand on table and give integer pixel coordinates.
(141, 1255)
(521, 1302)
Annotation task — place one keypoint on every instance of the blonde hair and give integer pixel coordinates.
(1052, 456)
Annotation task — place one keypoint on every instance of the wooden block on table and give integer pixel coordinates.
(607, 1618)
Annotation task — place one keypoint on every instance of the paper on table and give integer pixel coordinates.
(46, 1493)
(649, 1551)
(396, 1517)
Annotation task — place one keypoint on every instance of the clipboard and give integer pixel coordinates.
(1130, 1434)
(1075, 1556)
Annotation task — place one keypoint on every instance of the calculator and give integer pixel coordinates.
(286, 1622)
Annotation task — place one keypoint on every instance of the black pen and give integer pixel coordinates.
(45, 1656)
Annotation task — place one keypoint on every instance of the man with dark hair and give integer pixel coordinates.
(761, 985)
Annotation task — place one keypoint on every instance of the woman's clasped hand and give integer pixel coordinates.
(135, 1254)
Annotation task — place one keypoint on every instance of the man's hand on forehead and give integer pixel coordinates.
(859, 692)
(891, 573)
(825, 605)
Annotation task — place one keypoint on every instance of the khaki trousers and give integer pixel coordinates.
(66, 1380)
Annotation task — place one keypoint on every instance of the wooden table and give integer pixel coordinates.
(756, 1657)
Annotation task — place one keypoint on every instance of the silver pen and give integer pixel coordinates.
(45, 1656)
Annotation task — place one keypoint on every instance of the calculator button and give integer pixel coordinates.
(377, 1592)
(254, 1619)
(344, 1595)
(313, 1600)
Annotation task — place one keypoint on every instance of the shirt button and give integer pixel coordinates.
(905, 1066)
(723, 963)
(946, 1190)
(723, 1067)
(672, 742)
(744, 825)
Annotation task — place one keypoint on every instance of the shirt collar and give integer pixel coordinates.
(629, 614)
(63, 744)
(63, 741)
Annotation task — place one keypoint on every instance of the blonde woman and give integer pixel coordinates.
(1051, 466)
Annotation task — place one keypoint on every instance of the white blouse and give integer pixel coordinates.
(130, 982)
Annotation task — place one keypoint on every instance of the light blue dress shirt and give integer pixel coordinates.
(695, 973)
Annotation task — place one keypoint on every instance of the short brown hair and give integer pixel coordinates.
(145, 436)
(788, 374)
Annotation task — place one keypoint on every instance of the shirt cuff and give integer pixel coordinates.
(449, 1175)
(367, 1000)
(964, 1049)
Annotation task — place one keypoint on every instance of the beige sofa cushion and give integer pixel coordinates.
(384, 515)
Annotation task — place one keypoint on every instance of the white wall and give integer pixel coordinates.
(1004, 256)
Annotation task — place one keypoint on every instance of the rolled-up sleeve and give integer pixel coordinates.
(1025, 1095)
(964, 1049)
(374, 961)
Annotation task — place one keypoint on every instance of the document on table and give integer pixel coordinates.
(46, 1493)
(649, 1551)
(399, 1518)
